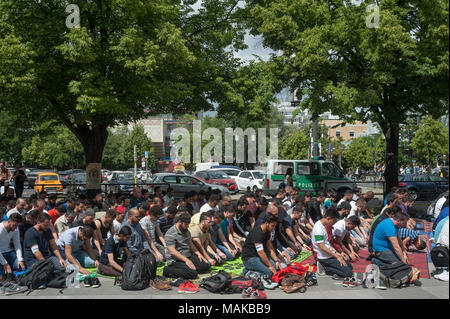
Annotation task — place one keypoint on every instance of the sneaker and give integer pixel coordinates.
(253, 274)
(160, 284)
(10, 288)
(336, 277)
(437, 272)
(188, 287)
(349, 282)
(268, 283)
(320, 269)
(247, 292)
(258, 294)
(443, 276)
(177, 282)
(87, 281)
(118, 281)
(95, 282)
(310, 279)
(11, 278)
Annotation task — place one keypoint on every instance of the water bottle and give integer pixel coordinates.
(72, 280)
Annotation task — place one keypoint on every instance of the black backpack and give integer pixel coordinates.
(439, 256)
(40, 274)
(216, 283)
(58, 280)
(138, 269)
(396, 275)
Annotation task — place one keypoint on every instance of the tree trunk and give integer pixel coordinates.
(93, 138)
(391, 133)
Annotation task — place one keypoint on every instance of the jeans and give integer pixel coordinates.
(225, 251)
(81, 256)
(333, 267)
(354, 234)
(385, 258)
(18, 188)
(255, 264)
(12, 261)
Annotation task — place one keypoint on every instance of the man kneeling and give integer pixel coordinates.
(183, 258)
(114, 253)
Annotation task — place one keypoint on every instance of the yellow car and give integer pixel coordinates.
(49, 182)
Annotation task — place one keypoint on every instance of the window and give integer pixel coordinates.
(329, 169)
(245, 175)
(338, 133)
(308, 168)
(170, 179)
(281, 168)
(352, 134)
(49, 178)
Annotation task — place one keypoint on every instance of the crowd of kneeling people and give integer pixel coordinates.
(204, 230)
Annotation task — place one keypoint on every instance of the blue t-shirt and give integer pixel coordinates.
(384, 230)
(224, 226)
(442, 215)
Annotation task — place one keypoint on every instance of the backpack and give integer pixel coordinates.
(216, 283)
(40, 274)
(58, 280)
(396, 275)
(138, 269)
(439, 256)
(240, 283)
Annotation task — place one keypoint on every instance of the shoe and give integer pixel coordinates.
(247, 292)
(160, 284)
(349, 282)
(188, 287)
(253, 274)
(320, 269)
(258, 294)
(336, 277)
(177, 282)
(310, 279)
(10, 288)
(437, 272)
(268, 283)
(87, 281)
(118, 281)
(11, 278)
(95, 282)
(443, 276)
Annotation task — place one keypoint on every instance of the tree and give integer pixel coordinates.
(294, 146)
(360, 152)
(430, 140)
(55, 147)
(12, 139)
(143, 143)
(127, 60)
(339, 64)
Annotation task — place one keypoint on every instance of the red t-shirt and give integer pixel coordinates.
(53, 215)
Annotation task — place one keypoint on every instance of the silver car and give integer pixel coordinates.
(182, 184)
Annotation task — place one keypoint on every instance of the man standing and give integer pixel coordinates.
(183, 258)
(19, 178)
(39, 242)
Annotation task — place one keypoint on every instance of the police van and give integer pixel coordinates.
(308, 175)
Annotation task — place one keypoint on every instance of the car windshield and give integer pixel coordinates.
(258, 175)
(232, 172)
(219, 175)
(125, 177)
(48, 178)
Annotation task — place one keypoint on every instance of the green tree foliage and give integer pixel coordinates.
(430, 140)
(124, 57)
(143, 143)
(360, 152)
(13, 137)
(55, 147)
(338, 64)
(294, 145)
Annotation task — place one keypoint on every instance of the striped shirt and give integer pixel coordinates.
(405, 233)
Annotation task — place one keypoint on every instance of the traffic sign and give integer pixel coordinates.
(146, 154)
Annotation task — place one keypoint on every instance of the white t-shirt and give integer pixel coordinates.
(443, 235)
(354, 210)
(438, 207)
(320, 235)
(339, 229)
(116, 226)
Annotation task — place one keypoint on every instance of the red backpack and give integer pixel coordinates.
(237, 284)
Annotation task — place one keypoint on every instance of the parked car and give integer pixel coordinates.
(48, 181)
(231, 171)
(183, 184)
(308, 175)
(79, 183)
(218, 178)
(252, 179)
(31, 176)
(121, 183)
(423, 186)
(106, 175)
